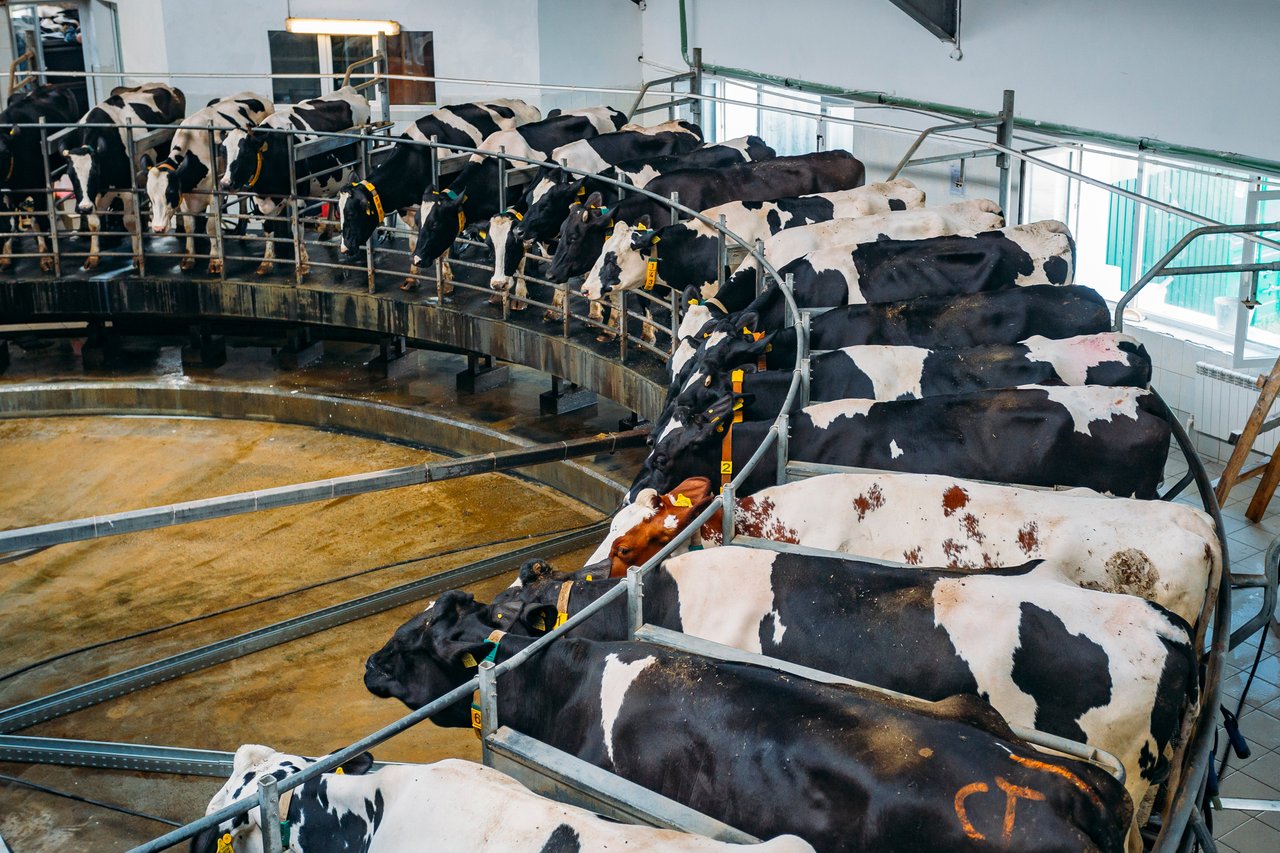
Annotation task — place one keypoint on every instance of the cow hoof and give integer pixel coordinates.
(215, 268)
(264, 268)
(495, 300)
(5, 264)
(604, 339)
(518, 306)
(187, 264)
(448, 288)
(46, 264)
(550, 316)
(303, 269)
(90, 263)
(408, 285)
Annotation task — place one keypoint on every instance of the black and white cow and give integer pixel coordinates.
(583, 233)
(551, 195)
(22, 172)
(931, 322)
(98, 162)
(397, 183)
(888, 270)
(181, 185)
(449, 805)
(258, 161)
(845, 768)
(594, 154)
(687, 254)
(1112, 671)
(873, 372)
(1082, 536)
(1107, 439)
(473, 193)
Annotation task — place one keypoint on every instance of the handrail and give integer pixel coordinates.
(373, 80)
(29, 54)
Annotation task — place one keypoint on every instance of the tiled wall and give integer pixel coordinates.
(1212, 408)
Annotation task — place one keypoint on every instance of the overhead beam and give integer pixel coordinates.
(940, 17)
(131, 521)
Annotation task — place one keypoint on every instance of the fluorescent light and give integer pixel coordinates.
(341, 27)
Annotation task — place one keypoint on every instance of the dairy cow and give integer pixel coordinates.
(1108, 439)
(97, 153)
(258, 161)
(181, 185)
(1091, 540)
(1109, 670)
(472, 196)
(22, 170)
(397, 183)
(594, 154)
(931, 322)
(900, 373)
(886, 270)
(842, 767)
(687, 254)
(583, 233)
(449, 805)
(550, 196)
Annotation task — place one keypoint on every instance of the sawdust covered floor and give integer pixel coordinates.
(305, 696)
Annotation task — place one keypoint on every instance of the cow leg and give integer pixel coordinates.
(188, 228)
(133, 224)
(649, 332)
(272, 229)
(304, 265)
(615, 314)
(556, 311)
(522, 286)
(6, 256)
(94, 223)
(411, 220)
(43, 225)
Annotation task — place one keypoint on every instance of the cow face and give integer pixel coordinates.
(508, 249)
(244, 158)
(549, 202)
(431, 654)
(357, 217)
(82, 168)
(643, 527)
(691, 450)
(442, 220)
(164, 191)
(251, 763)
(623, 260)
(581, 238)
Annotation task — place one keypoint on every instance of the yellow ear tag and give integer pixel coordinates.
(484, 235)
(681, 500)
(737, 404)
(540, 625)
(468, 661)
(224, 844)
(561, 618)
(745, 330)
(340, 772)
(650, 274)
(726, 467)
(462, 220)
(693, 302)
(588, 577)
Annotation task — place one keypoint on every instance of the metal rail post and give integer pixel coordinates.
(488, 708)
(216, 246)
(675, 316)
(675, 212)
(722, 254)
(784, 435)
(695, 87)
(383, 85)
(269, 809)
(635, 602)
(52, 204)
(1004, 136)
(294, 223)
(759, 253)
(727, 506)
(136, 237)
(502, 177)
(435, 185)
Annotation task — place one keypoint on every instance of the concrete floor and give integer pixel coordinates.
(306, 696)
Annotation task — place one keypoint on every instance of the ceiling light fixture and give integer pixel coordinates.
(341, 27)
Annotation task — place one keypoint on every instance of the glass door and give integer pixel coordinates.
(50, 38)
(1258, 309)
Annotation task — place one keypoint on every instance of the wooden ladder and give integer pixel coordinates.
(1234, 473)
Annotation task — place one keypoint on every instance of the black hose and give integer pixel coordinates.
(265, 599)
(79, 799)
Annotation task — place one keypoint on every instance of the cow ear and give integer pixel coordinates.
(748, 320)
(595, 200)
(534, 571)
(250, 755)
(357, 766)
(147, 161)
(690, 497)
(692, 295)
(539, 618)
(644, 222)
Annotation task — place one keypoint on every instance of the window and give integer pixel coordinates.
(295, 53)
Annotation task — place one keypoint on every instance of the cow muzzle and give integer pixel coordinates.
(502, 283)
(85, 207)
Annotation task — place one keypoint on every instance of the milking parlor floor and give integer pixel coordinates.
(306, 696)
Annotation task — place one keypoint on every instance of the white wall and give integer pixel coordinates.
(1178, 70)
(589, 43)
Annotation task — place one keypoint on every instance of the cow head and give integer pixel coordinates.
(164, 190)
(623, 260)
(84, 172)
(549, 200)
(508, 249)
(244, 158)
(581, 238)
(441, 219)
(251, 763)
(431, 654)
(691, 450)
(644, 526)
(357, 217)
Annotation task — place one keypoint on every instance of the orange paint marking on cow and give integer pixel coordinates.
(1012, 794)
(962, 795)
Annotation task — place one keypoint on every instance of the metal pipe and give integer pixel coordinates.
(185, 512)
(269, 812)
(784, 436)
(635, 601)
(727, 506)
(929, 131)
(722, 252)
(1004, 136)
(294, 224)
(502, 178)
(135, 237)
(51, 203)
(488, 707)
(217, 247)
(959, 155)
(695, 87)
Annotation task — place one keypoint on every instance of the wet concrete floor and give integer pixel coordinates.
(305, 696)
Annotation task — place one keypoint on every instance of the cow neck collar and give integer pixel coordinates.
(257, 172)
(726, 445)
(562, 603)
(450, 194)
(477, 718)
(377, 199)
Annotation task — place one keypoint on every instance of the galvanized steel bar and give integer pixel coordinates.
(1004, 136)
(135, 235)
(295, 227)
(269, 813)
(217, 245)
(131, 521)
(941, 128)
(488, 707)
(635, 601)
(51, 203)
(115, 756)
